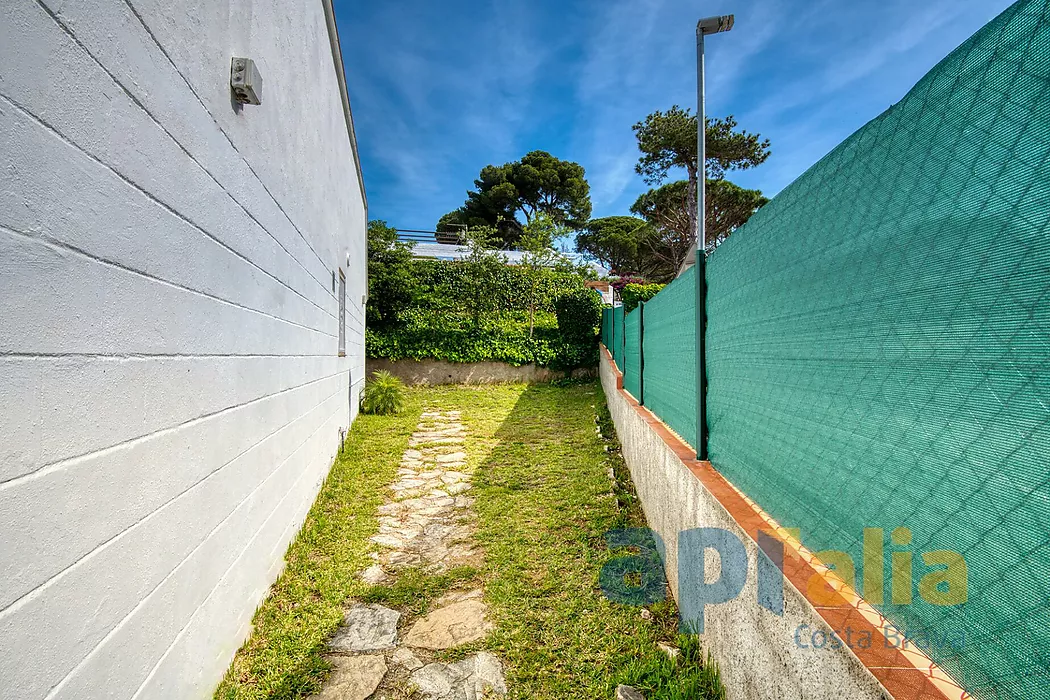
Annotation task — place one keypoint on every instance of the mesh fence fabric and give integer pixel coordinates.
(669, 346)
(632, 355)
(879, 350)
(618, 340)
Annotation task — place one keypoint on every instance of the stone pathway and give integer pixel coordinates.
(427, 522)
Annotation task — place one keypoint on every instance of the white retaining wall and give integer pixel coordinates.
(171, 394)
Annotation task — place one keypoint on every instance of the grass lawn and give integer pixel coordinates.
(544, 502)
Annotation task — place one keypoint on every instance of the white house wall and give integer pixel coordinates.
(171, 395)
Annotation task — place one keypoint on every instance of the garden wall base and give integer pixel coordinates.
(759, 653)
(433, 372)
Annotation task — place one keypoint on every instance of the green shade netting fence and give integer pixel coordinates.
(669, 347)
(632, 355)
(618, 330)
(879, 350)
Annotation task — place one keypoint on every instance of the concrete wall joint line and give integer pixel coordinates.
(15, 605)
(232, 567)
(37, 473)
(72, 35)
(139, 356)
(164, 205)
(247, 163)
(61, 245)
(142, 602)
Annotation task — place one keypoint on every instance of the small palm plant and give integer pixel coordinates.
(384, 394)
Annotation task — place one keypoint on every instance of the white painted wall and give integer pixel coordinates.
(170, 390)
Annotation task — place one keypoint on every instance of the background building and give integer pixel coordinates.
(182, 282)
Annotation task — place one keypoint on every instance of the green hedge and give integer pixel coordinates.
(452, 337)
(633, 294)
(443, 319)
(443, 284)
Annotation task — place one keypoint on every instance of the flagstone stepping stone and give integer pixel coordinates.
(475, 677)
(367, 628)
(373, 575)
(419, 441)
(404, 657)
(458, 487)
(626, 692)
(388, 540)
(457, 596)
(353, 677)
(451, 626)
(451, 457)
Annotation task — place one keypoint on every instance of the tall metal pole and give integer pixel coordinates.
(709, 25)
(701, 246)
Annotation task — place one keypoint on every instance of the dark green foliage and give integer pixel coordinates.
(443, 285)
(453, 337)
(383, 395)
(632, 294)
(618, 242)
(667, 141)
(482, 309)
(728, 207)
(391, 284)
(669, 209)
(579, 314)
(538, 183)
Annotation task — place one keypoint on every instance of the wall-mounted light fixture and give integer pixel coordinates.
(246, 82)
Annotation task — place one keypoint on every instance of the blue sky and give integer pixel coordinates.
(440, 89)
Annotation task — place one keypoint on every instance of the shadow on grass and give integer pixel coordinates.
(545, 502)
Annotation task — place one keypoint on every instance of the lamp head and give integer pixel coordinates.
(714, 25)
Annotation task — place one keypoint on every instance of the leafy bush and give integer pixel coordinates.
(473, 310)
(383, 395)
(454, 338)
(632, 294)
(392, 285)
(579, 313)
(446, 284)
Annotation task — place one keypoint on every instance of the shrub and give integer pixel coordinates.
(384, 394)
(633, 294)
(391, 283)
(579, 313)
(454, 338)
(452, 284)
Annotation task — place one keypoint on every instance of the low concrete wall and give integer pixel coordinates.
(755, 650)
(431, 372)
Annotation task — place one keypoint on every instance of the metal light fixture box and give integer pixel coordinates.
(246, 82)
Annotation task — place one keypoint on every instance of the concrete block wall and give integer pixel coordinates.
(171, 392)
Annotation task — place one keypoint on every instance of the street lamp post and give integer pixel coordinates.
(708, 25)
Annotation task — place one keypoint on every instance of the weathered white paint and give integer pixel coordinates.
(170, 391)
